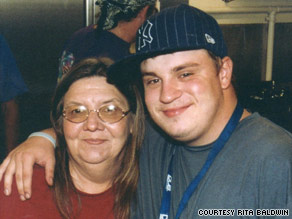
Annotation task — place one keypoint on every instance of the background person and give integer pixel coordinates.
(11, 86)
(99, 133)
(208, 152)
(116, 29)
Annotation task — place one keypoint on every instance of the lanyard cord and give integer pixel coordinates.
(218, 145)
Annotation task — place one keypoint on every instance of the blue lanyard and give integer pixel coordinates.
(218, 145)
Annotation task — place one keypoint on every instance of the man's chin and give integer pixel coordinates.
(176, 134)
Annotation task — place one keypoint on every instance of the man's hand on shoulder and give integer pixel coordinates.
(21, 160)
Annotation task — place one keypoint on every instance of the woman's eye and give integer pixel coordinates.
(76, 111)
(111, 108)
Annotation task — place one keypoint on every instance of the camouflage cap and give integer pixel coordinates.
(116, 6)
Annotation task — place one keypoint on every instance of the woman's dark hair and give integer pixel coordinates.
(125, 181)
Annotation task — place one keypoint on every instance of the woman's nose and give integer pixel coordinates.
(93, 122)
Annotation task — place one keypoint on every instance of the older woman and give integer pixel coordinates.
(98, 132)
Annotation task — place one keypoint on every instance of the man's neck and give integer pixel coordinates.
(125, 31)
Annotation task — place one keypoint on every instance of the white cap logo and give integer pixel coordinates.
(145, 36)
(209, 39)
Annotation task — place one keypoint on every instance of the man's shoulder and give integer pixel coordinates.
(84, 32)
(261, 135)
(264, 128)
(81, 35)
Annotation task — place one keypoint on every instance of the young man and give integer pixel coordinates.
(223, 157)
(207, 156)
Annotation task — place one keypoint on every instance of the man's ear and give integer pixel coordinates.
(225, 73)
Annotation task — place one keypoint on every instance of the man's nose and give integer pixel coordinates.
(169, 92)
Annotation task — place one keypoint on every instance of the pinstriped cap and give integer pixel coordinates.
(179, 28)
(174, 29)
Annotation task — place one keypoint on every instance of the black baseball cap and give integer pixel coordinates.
(174, 29)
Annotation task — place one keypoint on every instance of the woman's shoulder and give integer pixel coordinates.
(39, 185)
(39, 181)
(13, 207)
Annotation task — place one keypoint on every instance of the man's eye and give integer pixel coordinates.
(184, 75)
(152, 81)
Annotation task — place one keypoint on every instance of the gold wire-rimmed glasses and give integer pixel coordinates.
(108, 113)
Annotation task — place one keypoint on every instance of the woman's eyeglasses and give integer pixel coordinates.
(108, 114)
